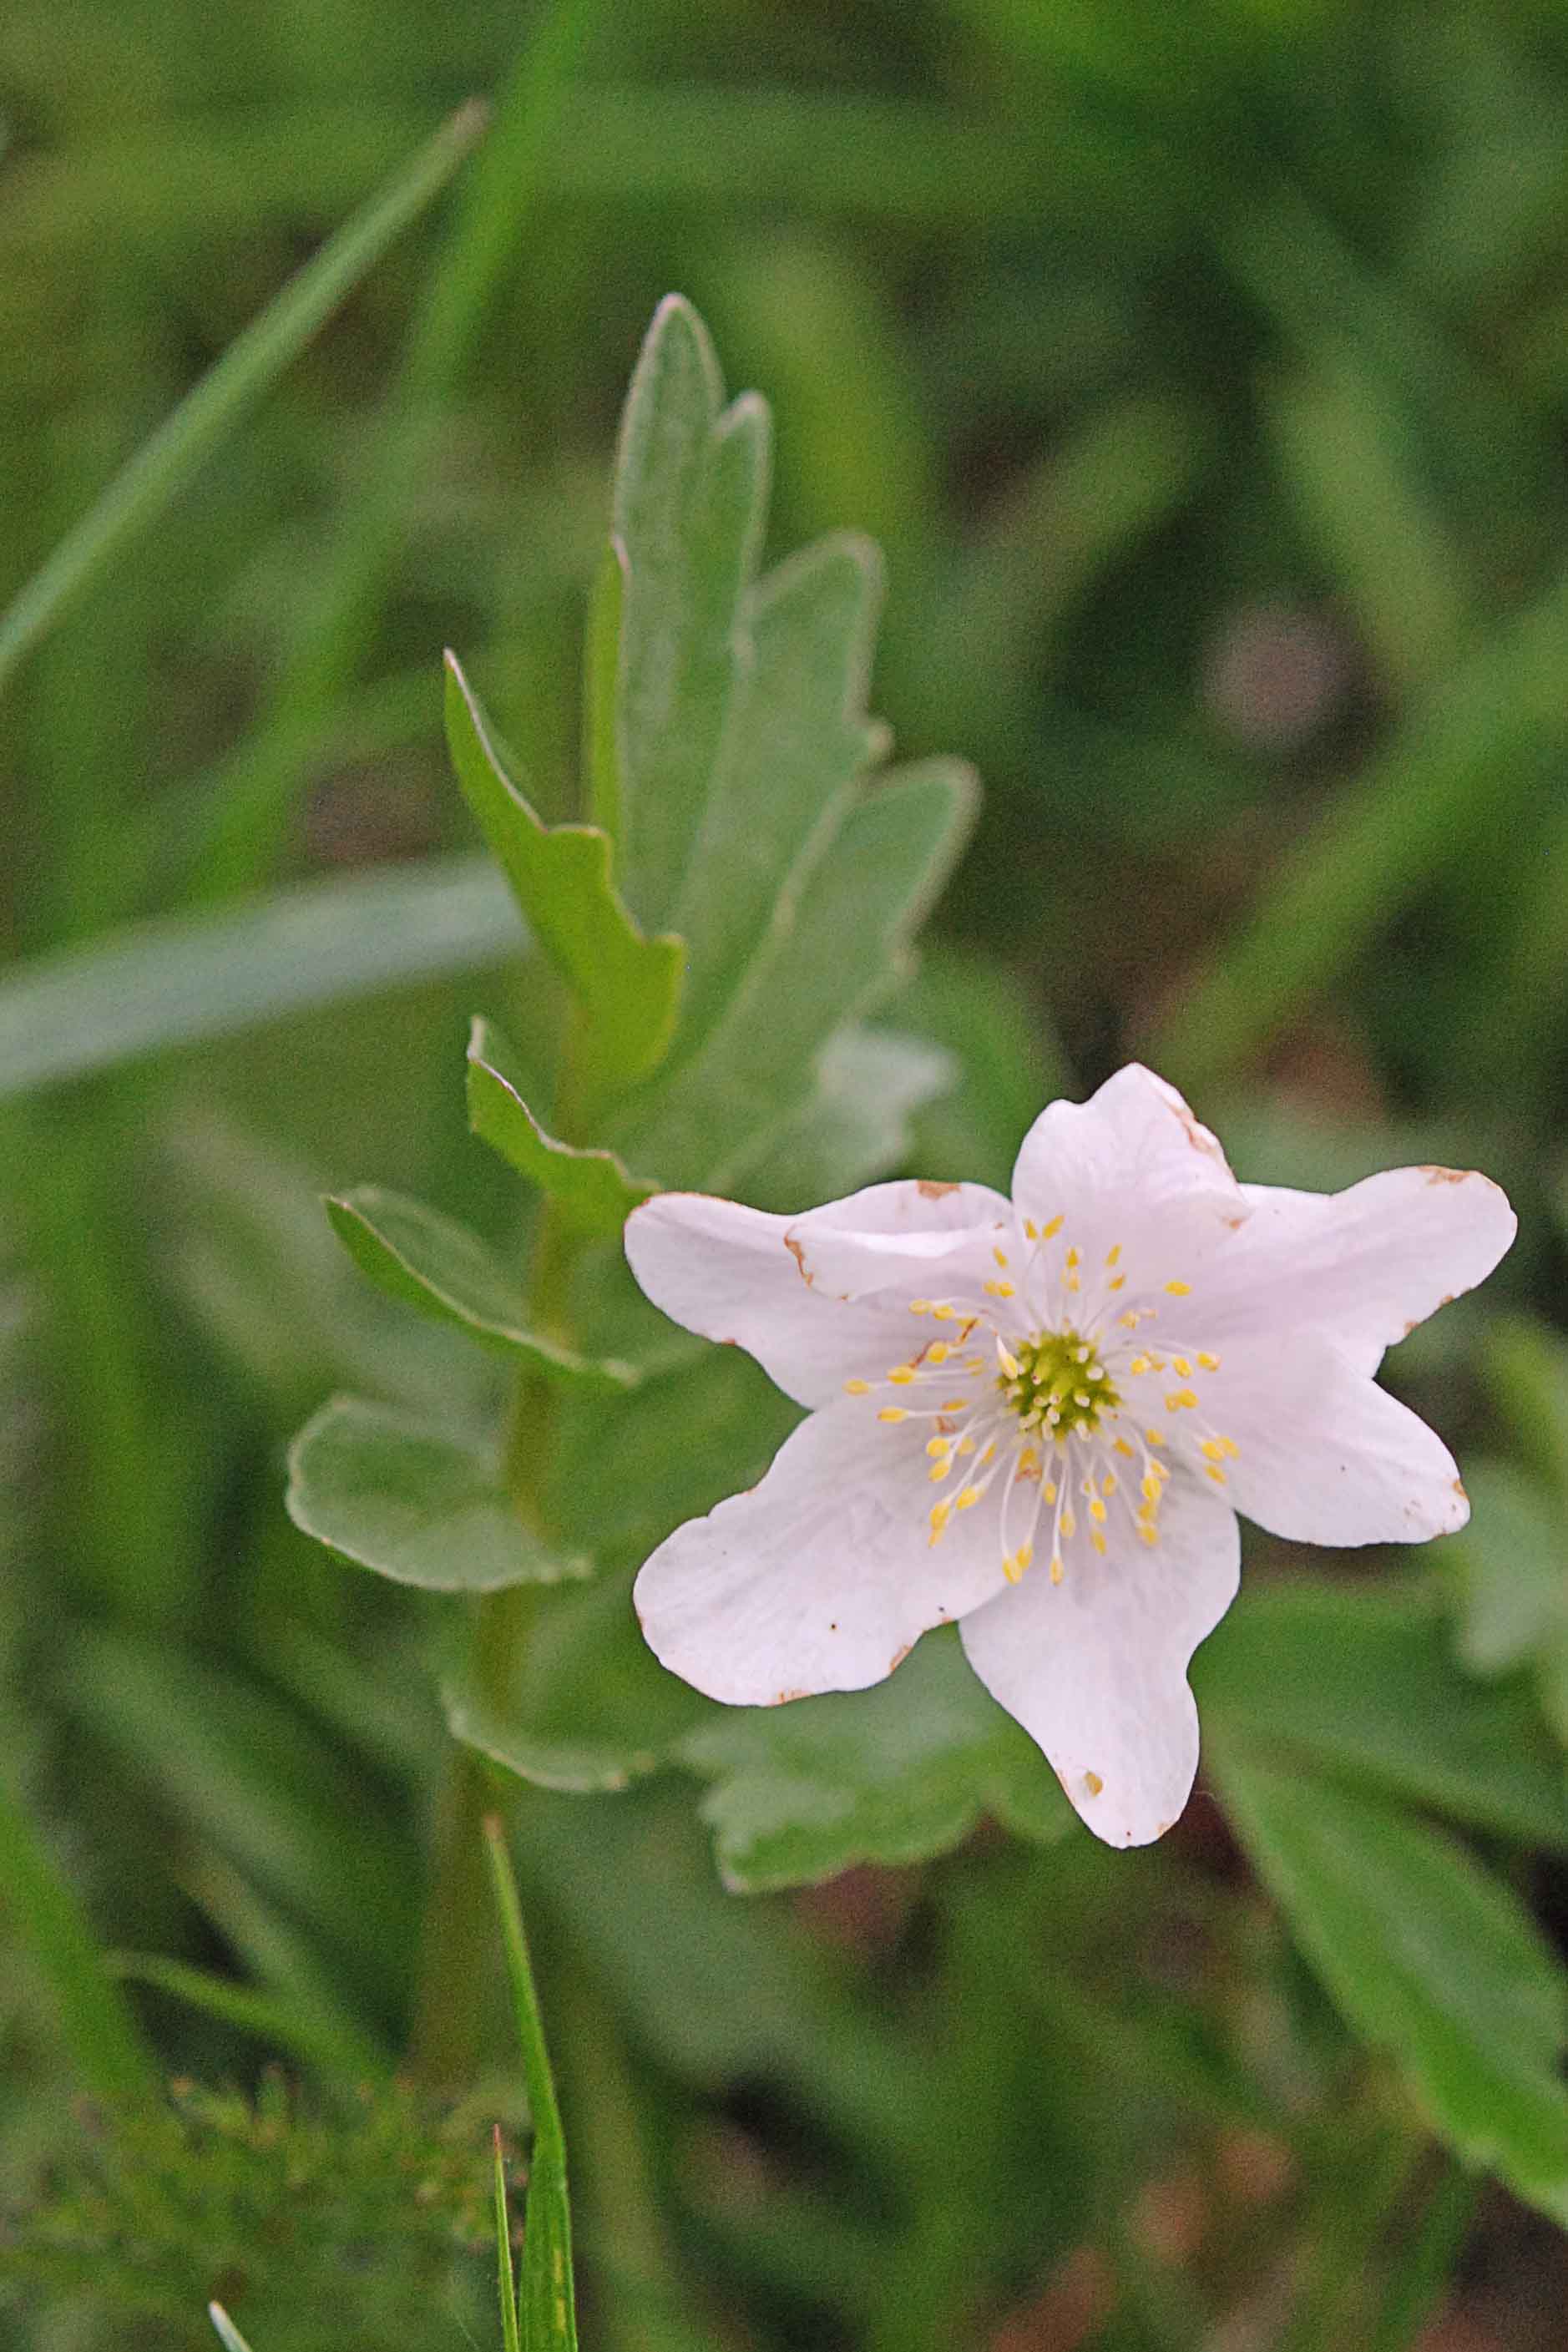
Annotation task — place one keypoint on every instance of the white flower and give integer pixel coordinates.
(1041, 1416)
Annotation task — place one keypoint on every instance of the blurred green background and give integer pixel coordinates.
(1202, 372)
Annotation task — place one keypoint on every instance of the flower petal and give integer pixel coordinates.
(1325, 1455)
(1363, 1265)
(905, 1236)
(745, 1277)
(1095, 1668)
(820, 1578)
(1130, 1169)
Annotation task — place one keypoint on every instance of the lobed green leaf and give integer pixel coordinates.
(894, 1774)
(626, 984)
(593, 1190)
(427, 1261)
(413, 1502)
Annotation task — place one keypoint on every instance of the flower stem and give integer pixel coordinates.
(459, 1940)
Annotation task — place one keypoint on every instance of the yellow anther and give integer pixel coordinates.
(1217, 1476)
(901, 1375)
(1050, 1490)
(997, 1289)
(945, 1314)
(1180, 1399)
(892, 1412)
(1231, 1447)
(1098, 1540)
(857, 1388)
(999, 1255)
(1207, 1362)
(1072, 1258)
(966, 1445)
(940, 1515)
(1179, 1365)
(938, 1352)
(920, 1306)
(1129, 1321)
(1009, 1364)
(1029, 1463)
(966, 1500)
(1178, 1289)
(1056, 1568)
(1122, 1448)
(939, 1471)
(1117, 1282)
(1010, 1567)
(1023, 1557)
(1071, 1282)
(1154, 1437)
(1031, 1229)
(989, 1456)
(1212, 1447)
(1048, 1233)
(953, 1404)
(1139, 1365)
(935, 1445)
(1150, 1535)
(1107, 1484)
(1069, 1525)
(1111, 1256)
(1097, 1512)
(1151, 1489)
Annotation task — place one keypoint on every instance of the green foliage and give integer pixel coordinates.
(595, 1192)
(271, 2208)
(560, 876)
(412, 1502)
(424, 1260)
(547, 2295)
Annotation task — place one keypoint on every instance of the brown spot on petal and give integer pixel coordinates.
(1093, 1783)
(1459, 1490)
(798, 1253)
(930, 1192)
(1447, 1175)
(1447, 1299)
(897, 1660)
(1410, 1324)
(1236, 1223)
(785, 1698)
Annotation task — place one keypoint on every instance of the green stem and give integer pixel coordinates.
(459, 1925)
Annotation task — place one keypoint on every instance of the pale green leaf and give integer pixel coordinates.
(413, 1502)
(601, 692)
(626, 984)
(856, 1124)
(893, 1774)
(690, 502)
(1429, 1957)
(826, 956)
(593, 1190)
(414, 1255)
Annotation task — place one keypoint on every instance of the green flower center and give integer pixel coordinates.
(1060, 1387)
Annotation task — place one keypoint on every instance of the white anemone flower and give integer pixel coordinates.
(1040, 1417)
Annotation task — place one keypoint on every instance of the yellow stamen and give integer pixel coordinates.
(1031, 1229)
(967, 1499)
(892, 1412)
(920, 1306)
(1154, 1436)
(1056, 1568)
(901, 1375)
(1178, 1289)
(1050, 1490)
(1118, 1282)
(1111, 1256)
(1000, 1255)
(1097, 1511)
(1048, 1233)
(945, 1314)
(1181, 1366)
(935, 1445)
(1140, 1364)
(940, 1515)
(1069, 1525)
(857, 1388)
(997, 1289)
(1217, 1476)
(1098, 1540)
(938, 1352)
(1208, 1363)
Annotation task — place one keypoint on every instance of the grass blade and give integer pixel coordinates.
(506, 2285)
(107, 2050)
(196, 976)
(254, 361)
(549, 2303)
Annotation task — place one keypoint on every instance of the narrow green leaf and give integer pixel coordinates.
(506, 2285)
(1429, 1957)
(265, 2015)
(228, 2334)
(111, 2058)
(412, 1502)
(893, 1774)
(414, 1255)
(1363, 1684)
(825, 958)
(559, 875)
(548, 2308)
(254, 360)
(593, 1190)
(150, 986)
(594, 1709)
(602, 691)
(690, 503)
